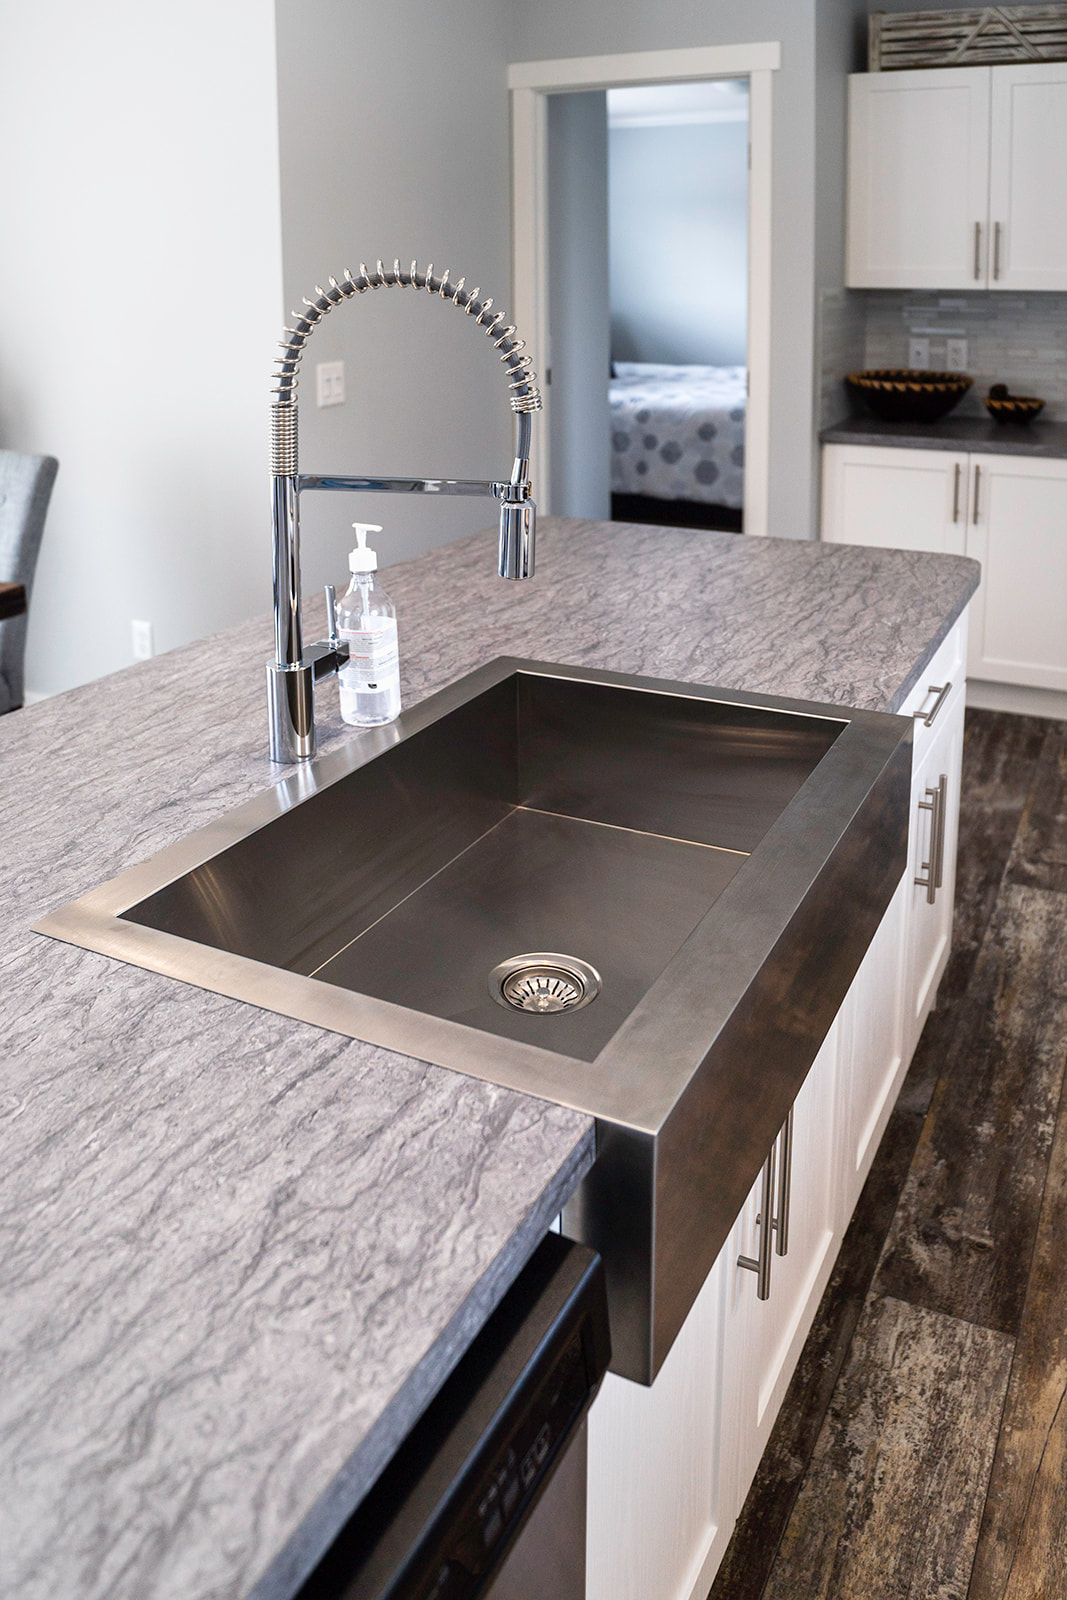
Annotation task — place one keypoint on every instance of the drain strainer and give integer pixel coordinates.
(544, 983)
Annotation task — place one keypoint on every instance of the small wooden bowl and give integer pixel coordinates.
(1013, 407)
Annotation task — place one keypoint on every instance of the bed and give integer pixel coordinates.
(678, 435)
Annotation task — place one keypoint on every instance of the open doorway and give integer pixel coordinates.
(677, 186)
(536, 85)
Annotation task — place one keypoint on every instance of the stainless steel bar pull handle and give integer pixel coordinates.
(996, 249)
(932, 870)
(761, 1264)
(956, 493)
(785, 1181)
(978, 249)
(977, 481)
(942, 818)
(942, 695)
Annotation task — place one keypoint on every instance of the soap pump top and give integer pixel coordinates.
(362, 558)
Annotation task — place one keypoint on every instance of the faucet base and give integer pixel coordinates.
(291, 711)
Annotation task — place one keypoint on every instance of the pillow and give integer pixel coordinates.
(658, 369)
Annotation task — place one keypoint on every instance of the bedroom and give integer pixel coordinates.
(649, 214)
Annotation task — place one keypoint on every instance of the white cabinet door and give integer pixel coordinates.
(931, 874)
(918, 179)
(655, 1527)
(1028, 177)
(762, 1339)
(1018, 531)
(896, 499)
(871, 1057)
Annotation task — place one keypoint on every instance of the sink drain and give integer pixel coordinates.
(544, 983)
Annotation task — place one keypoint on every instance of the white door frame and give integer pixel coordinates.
(531, 82)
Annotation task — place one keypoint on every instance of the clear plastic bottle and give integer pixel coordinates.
(366, 620)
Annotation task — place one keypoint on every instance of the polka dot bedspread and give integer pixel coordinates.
(678, 432)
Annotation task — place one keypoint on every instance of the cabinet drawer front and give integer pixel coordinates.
(930, 701)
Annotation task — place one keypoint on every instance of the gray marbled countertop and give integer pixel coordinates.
(240, 1253)
(1039, 438)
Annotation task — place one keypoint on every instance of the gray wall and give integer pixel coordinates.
(679, 243)
(578, 296)
(140, 295)
(152, 239)
(394, 139)
(840, 48)
(553, 28)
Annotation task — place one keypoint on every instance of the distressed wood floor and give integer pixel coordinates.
(921, 1453)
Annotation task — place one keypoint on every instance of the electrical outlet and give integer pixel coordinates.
(919, 354)
(142, 642)
(330, 383)
(956, 355)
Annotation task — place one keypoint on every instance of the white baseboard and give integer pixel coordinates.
(1019, 698)
(30, 697)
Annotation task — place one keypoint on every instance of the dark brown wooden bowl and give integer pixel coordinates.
(1013, 407)
(903, 394)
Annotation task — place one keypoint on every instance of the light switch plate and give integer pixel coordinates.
(330, 383)
(919, 354)
(956, 355)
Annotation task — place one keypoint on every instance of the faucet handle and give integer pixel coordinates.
(331, 614)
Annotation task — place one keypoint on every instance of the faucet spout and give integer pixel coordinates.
(515, 555)
(292, 674)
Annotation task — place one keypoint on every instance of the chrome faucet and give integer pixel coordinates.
(292, 675)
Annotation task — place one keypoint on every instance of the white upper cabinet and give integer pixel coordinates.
(1028, 178)
(958, 178)
(918, 179)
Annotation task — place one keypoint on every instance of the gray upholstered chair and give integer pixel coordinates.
(25, 489)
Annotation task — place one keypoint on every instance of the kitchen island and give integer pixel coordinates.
(242, 1253)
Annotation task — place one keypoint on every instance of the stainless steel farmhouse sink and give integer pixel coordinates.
(642, 899)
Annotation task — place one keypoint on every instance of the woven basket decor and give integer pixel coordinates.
(977, 36)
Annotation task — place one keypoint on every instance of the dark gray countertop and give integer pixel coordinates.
(241, 1253)
(979, 434)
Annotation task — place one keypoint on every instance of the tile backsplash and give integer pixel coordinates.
(1017, 339)
(842, 336)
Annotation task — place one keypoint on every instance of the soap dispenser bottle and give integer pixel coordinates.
(366, 620)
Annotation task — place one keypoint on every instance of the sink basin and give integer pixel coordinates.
(642, 899)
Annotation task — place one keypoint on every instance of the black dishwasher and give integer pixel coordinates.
(486, 1496)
